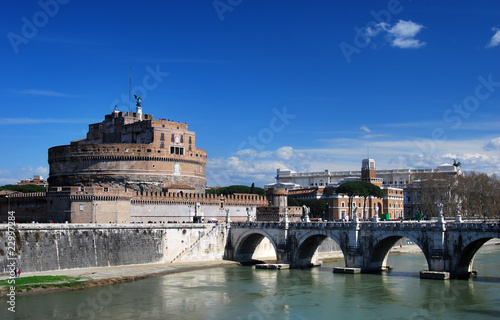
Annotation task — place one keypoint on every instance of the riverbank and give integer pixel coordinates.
(103, 276)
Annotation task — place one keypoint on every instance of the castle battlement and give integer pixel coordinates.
(92, 193)
(203, 199)
(27, 195)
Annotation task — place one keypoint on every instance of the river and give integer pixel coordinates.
(248, 293)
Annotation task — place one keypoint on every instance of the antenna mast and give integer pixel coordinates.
(129, 85)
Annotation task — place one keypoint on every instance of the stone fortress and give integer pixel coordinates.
(132, 150)
(130, 168)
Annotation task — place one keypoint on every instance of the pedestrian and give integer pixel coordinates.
(19, 273)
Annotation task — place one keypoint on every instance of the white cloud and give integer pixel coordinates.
(405, 29)
(6, 177)
(495, 40)
(248, 166)
(47, 93)
(39, 171)
(285, 153)
(401, 35)
(365, 129)
(406, 43)
(493, 144)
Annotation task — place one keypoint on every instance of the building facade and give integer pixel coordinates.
(277, 209)
(320, 186)
(397, 184)
(132, 150)
(36, 181)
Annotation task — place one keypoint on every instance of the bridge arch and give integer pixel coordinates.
(465, 261)
(379, 253)
(247, 243)
(308, 244)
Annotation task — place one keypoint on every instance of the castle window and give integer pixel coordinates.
(182, 139)
(189, 147)
(177, 150)
(162, 137)
(162, 145)
(173, 138)
(81, 207)
(189, 140)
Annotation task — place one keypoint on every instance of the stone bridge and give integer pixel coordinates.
(449, 247)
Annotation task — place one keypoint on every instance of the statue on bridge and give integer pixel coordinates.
(354, 213)
(305, 213)
(376, 217)
(440, 209)
(249, 216)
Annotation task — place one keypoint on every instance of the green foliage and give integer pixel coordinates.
(236, 189)
(292, 202)
(23, 189)
(317, 206)
(360, 189)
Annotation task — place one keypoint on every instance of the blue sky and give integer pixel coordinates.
(300, 85)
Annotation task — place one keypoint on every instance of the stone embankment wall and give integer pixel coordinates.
(41, 247)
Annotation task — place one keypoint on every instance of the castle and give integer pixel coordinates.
(132, 150)
(129, 168)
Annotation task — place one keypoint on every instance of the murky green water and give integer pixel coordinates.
(247, 293)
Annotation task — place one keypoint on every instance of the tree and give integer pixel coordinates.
(318, 206)
(435, 188)
(479, 195)
(359, 189)
(236, 189)
(24, 189)
(371, 190)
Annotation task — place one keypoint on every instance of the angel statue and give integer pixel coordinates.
(138, 100)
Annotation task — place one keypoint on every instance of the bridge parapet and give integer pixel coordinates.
(475, 225)
(257, 224)
(296, 225)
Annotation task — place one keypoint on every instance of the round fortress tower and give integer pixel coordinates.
(132, 150)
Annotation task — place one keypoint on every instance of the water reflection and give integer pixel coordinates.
(247, 293)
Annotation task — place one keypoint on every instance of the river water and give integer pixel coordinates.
(247, 293)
